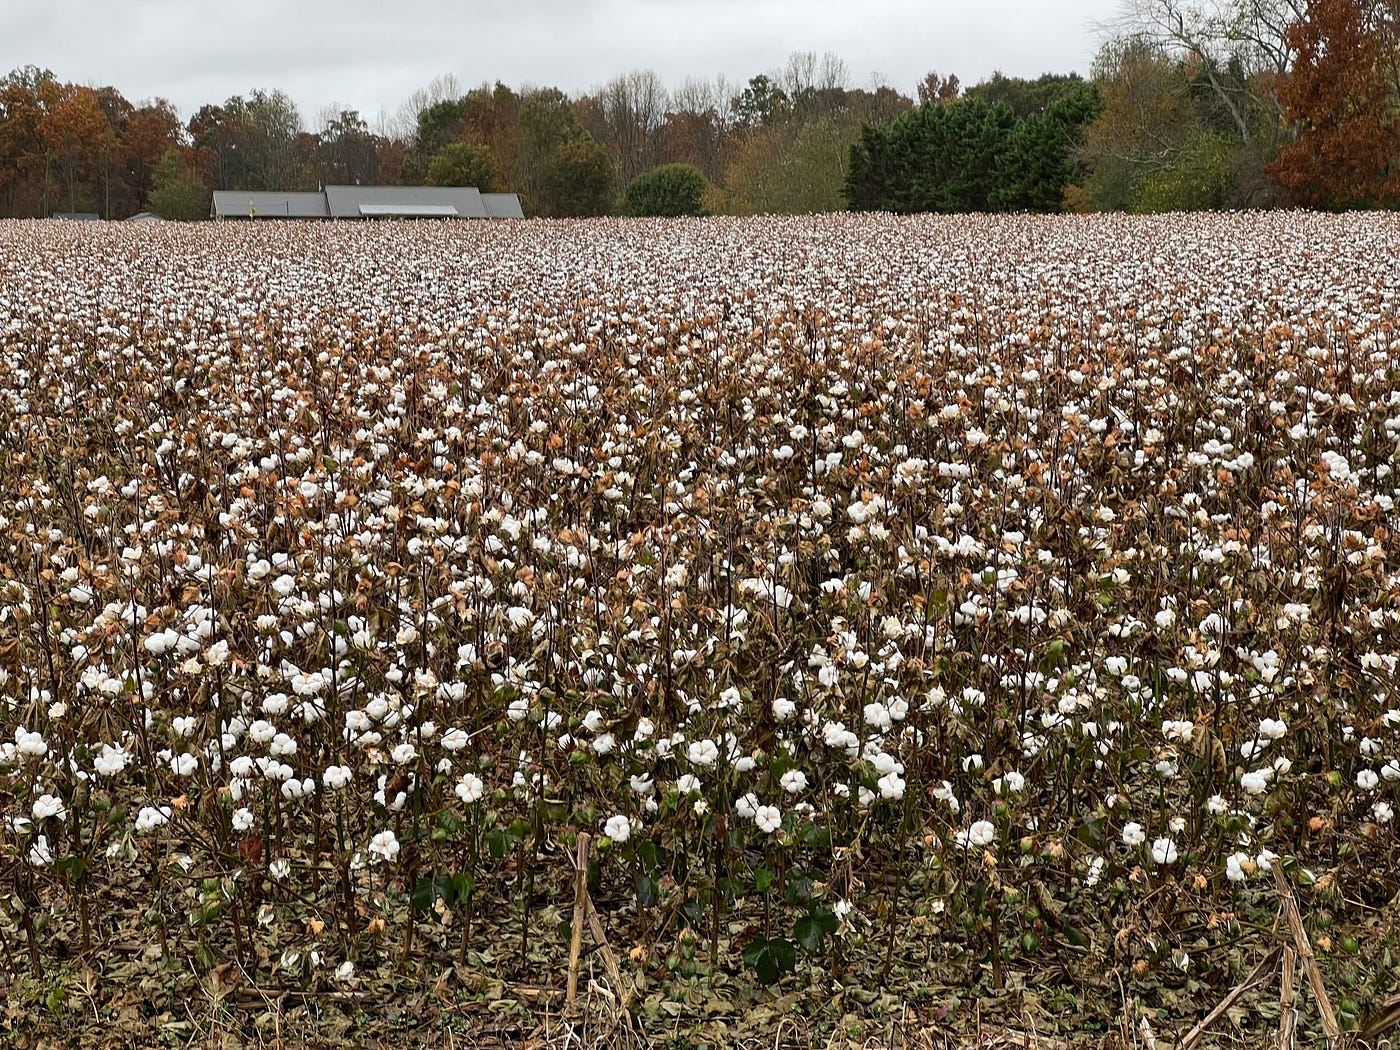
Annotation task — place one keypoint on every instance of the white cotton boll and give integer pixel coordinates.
(884, 762)
(687, 782)
(151, 817)
(282, 744)
(1273, 728)
(30, 744)
(794, 781)
(454, 739)
(110, 762)
(1012, 781)
(184, 765)
(746, 805)
(40, 852)
(1164, 851)
(618, 828)
(1133, 835)
(783, 709)
(336, 777)
(768, 818)
(46, 806)
(891, 786)
(292, 788)
(1367, 779)
(242, 819)
(470, 788)
(1234, 866)
(1255, 781)
(981, 834)
(385, 845)
(1251, 748)
(703, 752)
(877, 716)
(262, 732)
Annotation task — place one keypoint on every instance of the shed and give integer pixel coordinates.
(502, 205)
(404, 202)
(266, 204)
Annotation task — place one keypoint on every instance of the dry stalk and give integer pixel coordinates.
(1252, 978)
(580, 910)
(1288, 994)
(1300, 941)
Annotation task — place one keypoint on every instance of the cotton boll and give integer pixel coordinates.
(768, 818)
(618, 828)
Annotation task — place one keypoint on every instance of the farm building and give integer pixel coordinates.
(368, 202)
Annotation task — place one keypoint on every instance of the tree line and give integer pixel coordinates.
(1190, 104)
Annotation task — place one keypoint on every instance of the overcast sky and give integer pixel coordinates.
(371, 54)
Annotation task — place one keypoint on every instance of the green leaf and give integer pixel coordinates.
(498, 842)
(754, 950)
(71, 868)
(770, 959)
(808, 933)
(762, 879)
(730, 887)
(648, 892)
(463, 886)
(799, 890)
(424, 894)
(784, 953)
(816, 836)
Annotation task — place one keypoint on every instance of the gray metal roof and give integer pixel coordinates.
(263, 204)
(502, 205)
(144, 217)
(345, 202)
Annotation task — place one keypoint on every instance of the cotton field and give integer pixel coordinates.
(975, 592)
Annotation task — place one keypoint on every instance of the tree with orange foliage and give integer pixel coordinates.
(1341, 96)
(78, 136)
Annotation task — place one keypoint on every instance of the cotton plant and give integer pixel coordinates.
(925, 576)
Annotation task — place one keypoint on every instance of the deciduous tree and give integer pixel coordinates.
(1341, 96)
(668, 190)
(463, 164)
